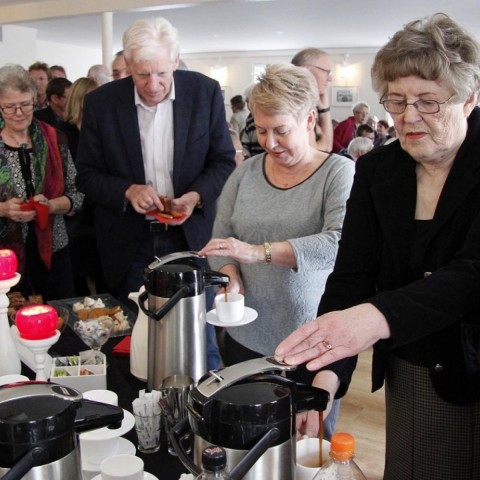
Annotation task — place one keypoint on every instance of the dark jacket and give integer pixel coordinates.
(434, 317)
(109, 160)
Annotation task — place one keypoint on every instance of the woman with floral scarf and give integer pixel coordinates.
(37, 188)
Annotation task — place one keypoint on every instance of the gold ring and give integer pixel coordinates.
(327, 345)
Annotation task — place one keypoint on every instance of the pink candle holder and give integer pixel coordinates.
(36, 322)
(8, 264)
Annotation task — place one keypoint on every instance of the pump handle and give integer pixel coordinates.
(171, 257)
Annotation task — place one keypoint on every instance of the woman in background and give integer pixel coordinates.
(86, 265)
(35, 165)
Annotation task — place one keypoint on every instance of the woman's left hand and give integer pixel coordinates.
(236, 249)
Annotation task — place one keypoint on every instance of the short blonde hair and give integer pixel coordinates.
(142, 38)
(434, 48)
(75, 96)
(284, 89)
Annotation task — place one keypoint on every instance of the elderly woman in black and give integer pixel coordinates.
(407, 274)
(37, 188)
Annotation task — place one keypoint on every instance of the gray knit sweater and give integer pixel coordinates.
(310, 217)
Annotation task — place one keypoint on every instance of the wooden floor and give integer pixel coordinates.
(363, 415)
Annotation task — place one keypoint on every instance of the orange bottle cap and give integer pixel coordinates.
(342, 443)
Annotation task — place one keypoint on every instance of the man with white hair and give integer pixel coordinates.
(159, 132)
(345, 130)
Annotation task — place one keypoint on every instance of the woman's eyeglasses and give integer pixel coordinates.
(12, 109)
(422, 106)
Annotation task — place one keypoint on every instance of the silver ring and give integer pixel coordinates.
(327, 345)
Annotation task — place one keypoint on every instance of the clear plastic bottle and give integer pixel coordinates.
(341, 465)
(214, 460)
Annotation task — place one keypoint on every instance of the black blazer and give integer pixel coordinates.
(109, 160)
(435, 316)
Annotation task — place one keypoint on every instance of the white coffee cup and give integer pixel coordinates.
(308, 457)
(232, 310)
(103, 396)
(122, 467)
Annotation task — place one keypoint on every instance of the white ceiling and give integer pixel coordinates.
(238, 25)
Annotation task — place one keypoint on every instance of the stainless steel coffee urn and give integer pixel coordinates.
(249, 410)
(39, 422)
(175, 288)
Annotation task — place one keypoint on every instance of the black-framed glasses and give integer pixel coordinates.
(422, 106)
(12, 109)
(328, 72)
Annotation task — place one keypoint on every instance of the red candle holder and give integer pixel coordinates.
(8, 264)
(36, 322)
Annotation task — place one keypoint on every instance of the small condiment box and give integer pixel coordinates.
(87, 371)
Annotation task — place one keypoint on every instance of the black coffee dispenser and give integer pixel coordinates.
(249, 410)
(39, 422)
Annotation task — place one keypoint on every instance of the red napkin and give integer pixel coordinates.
(42, 210)
(122, 348)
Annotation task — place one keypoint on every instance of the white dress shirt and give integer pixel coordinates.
(156, 134)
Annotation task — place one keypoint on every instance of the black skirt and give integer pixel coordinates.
(427, 438)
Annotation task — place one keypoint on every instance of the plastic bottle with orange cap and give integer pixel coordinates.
(341, 465)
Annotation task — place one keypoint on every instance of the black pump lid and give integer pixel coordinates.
(165, 280)
(214, 459)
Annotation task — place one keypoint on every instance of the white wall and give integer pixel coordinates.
(240, 70)
(20, 45)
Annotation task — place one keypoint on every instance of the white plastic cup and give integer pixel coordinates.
(232, 310)
(122, 467)
(103, 396)
(308, 457)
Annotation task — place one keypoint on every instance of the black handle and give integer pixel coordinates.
(31, 459)
(247, 462)
(176, 433)
(308, 397)
(166, 307)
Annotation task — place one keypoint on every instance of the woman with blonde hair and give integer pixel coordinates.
(280, 216)
(74, 111)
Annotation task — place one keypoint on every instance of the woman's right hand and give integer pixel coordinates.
(11, 210)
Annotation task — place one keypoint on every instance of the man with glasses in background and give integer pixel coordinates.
(346, 130)
(319, 64)
(57, 90)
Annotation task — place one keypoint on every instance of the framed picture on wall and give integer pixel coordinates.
(344, 96)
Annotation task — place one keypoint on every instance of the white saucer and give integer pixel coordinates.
(249, 316)
(128, 423)
(146, 476)
(124, 446)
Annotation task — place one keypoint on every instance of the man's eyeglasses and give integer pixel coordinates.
(422, 106)
(12, 109)
(328, 72)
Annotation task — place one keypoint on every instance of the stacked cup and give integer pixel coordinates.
(102, 443)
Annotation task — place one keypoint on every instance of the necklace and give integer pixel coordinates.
(10, 139)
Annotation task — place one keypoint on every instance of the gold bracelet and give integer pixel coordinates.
(268, 253)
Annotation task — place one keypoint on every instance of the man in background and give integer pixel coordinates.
(57, 90)
(319, 64)
(161, 131)
(119, 66)
(40, 72)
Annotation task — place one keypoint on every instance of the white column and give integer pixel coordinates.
(107, 38)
